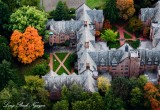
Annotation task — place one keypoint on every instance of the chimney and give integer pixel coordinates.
(86, 44)
(87, 66)
(85, 23)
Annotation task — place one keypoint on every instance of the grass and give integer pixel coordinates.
(98, 4)
(134, 44)
(127, 36)
(114, 28)
(55, 63)
(69, 63)
(26, 69)
(61, 56)
(114, 44)
(117, 35)
(61, 71)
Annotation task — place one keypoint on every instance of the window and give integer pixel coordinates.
(125, 72)
(126, 65)
(126, 68)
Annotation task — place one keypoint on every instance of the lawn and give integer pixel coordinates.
(69, 63)
(114, 28)
(127, 36)
(98, 4)
(134, 44)
(55, 63)
(113, 44)
(61, 56)
(61, 71)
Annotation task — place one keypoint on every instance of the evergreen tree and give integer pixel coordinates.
(61, 12)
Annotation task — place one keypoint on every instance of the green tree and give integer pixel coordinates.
(4, 17)
(142, 80)
(109, 35)
(136, 98)
(31, 3)
(112, 102)
(7, 73)
(135, 24)
(61, 105)
(5, 52)
(110, 11)
(121, 87)
(28, 16)
(61, 12)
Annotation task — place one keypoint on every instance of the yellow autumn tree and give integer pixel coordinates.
(126, 8)
(103, 84)
(27, 46)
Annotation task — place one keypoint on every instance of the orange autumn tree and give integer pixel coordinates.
(153, 95)
(27, 46)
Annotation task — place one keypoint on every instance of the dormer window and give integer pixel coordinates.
(87, 66)
(85, 23)
(86, 44)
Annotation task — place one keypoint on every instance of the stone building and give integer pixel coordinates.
(95, 58)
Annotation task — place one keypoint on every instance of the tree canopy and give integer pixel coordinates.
(27, 46)
(109, 35)
(28, 16)
(126, 8)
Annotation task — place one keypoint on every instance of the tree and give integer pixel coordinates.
(121, 87)
(28, 16)
(135, 24)
(112, 102)
(7, 73)
(107, 25)
(126, 8)
(27, 46)
(5, 52)
(61, 12)
(31, 3)
(136, 98)
(61, 105)
(4, 17)
(103, 84)
(110, 11)
(152, 94)
(109, 35)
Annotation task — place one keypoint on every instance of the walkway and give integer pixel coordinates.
(121, 31)
(62, 63)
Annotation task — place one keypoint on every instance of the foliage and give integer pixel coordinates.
(110, 11)
(4, 17)
(153, 95)
(61, 12)
(31, 2)
(96, 4)
(28, 16)
(126, 8)
(5, 52)
(67, 43)
(103, 84)
(107, 25)
(134, 44)
(95, 102)
(109, 35)
(97, 34)
(135, 24)
(146, 31)
(121, 87)
(136, 97)
(61, 105)
(7, 73)
(112, 102)
(40, 69)
(13, 4)
(113, 44)
(27, 46)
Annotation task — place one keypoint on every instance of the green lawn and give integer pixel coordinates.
(61, 56)
(127, 36)
(134, 44)
(55, 63)
(61, 71)
(98, 4)
(70, 61)
(114, 28)
(26, 69)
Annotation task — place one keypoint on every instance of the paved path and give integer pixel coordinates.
(121, 31)
(62, 62)
(51, 62)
